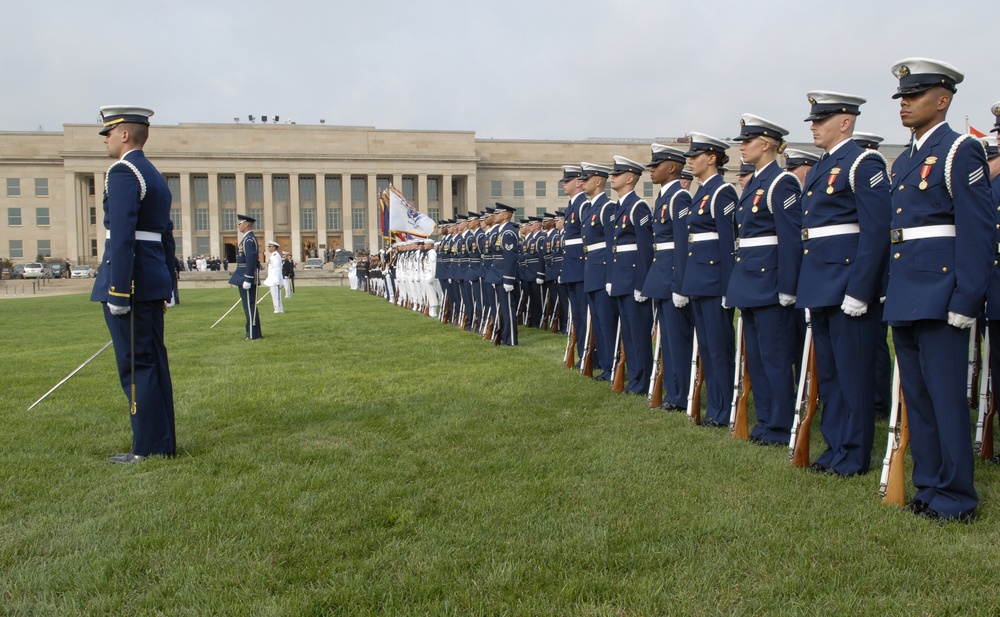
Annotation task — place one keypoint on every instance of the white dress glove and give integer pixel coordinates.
(559, 279)
(246, 285)
(119, 310)
(539, 281)
(724, 305)
(808, 316)
(954, 319)
(508, 288)
(786, 299)
(679, 300)
(854, 307)
(607, 288)
(639, 297)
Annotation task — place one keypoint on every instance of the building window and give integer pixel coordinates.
(382, 183)
(14, 217)
(255, 192)
(174, 186)
(45, 248)
(333, 190)
(201, 219)
(540, 189)
(16, 249)
(93, 247)
(647, 189)
(333, 219)
(199, 186)
(280, 189)
(433, 189)
(202, 246)
(359, 190)
(562, 191)
(358, 218)
(90, 185)
(41, 187)
(496, 188)
(229, 219)
(433, 213)
(258, 215)
(13, 187)
(227, 190)
(518, 214)
(41, 216)
(607, 190)
(360, 242)
(93, 215)
(175, 216)
(307, 219)
(518, 188)
(409, 190)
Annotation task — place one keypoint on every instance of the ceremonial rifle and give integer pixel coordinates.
(227, 312)
(987, 407)
(74, 372)
(892, 486)
(975, 364)
(618, 374)
(739, 424)
(655, 395)
(554, 317)
(569, 355)
(697, 377)
(587, 361)
(805, 403)
(545, 309)
(443, 317)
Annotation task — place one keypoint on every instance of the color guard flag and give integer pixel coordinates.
(403, 218)
(973, 130)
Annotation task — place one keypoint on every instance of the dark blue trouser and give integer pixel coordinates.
(250, 312)
(676, 340)
(770, 334)
(717, 349)
(637, 325)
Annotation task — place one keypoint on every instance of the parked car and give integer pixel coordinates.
(342, 258)
(314, 263)
(18, 271)
(34, 270)
(6, 273)
(81, 272)
(56, 269)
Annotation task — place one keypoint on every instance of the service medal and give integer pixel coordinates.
(925, 170)
(756, 200)
(833, 178)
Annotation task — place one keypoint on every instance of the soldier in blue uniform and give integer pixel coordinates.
(547, 248)
(596, 215)
(943, 245)
(993, 297)
(572, 266)
(246, 275)
(507, 245)
(765, 277)
(883, 368)
(710, 262)
(632, 254)
(666, 272)
(135, 280)
(558, 259)
(845, 226)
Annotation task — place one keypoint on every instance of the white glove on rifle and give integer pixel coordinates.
(539, 281)
(679, 300)
(854, 307)
(639, 297)
(246, 285)
(724, 305)
(119, 310)
(786, 299)
(954, 319)
(607, 288)
(508, 288)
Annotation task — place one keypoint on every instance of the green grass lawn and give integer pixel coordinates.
(366, 460)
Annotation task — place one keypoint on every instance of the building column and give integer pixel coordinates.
(470, 192)
(421, 196)
(321, 214)
(267, 229)
(371, 211)
(397, 182)
(187, 215)
(346, 222)
(214, 227)
(295, 218)
(447, 209)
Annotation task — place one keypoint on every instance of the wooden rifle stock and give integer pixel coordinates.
(694, 390)
(656, 380)
(570, 354)
(975, 366)
(555, 317)
(546, 310)
(618, 375)
(587, 361)
(808, 399)
(987, 407)
(895, 489)
(739, 423)
(443, 317)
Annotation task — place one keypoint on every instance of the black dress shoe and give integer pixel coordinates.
(671, 407)
(819, 468)
(916, 506)
(126, 458)
(710, 423)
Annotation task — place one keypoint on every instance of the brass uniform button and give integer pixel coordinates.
(896, 256)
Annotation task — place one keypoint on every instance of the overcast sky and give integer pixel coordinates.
(518, 69)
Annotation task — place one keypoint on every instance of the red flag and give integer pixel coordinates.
(973, 131)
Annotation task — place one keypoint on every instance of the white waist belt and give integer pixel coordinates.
(830, 230)
(625, 248)
(573, 241)
(903, 234)
(663, 246)
(703, 236)
(143, 236)
(594, 246)
(746, 243)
